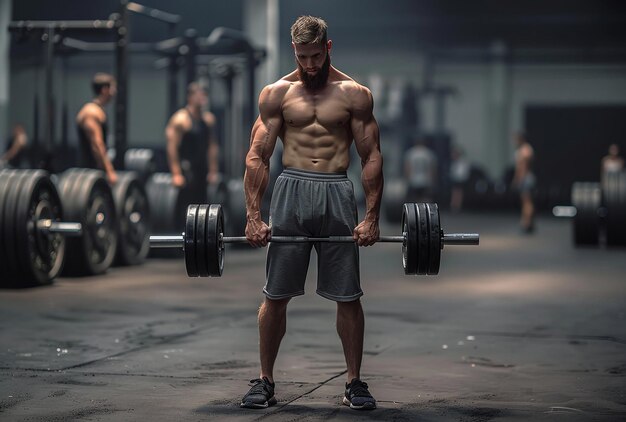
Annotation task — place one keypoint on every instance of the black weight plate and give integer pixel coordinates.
(586, 197)
(88, 199)
(104, 233)
(423, 239)
(24, 196)
(190, 241)
(10, 228)
(6, 177)
(159, 190)
(41, 253)
(214, 244)
(48, 249)
(201, 241)
(409, 246)
(69, 183)
(614, 195)
(434, 256)
(133, 219)
(140, 160)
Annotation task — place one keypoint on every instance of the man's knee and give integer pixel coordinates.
(274, 305)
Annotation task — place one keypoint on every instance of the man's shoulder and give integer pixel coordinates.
(275, 93)
(91, 110)
(209, 118)
(280, 87)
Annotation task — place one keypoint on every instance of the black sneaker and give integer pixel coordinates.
(260, 396)
(358, 396)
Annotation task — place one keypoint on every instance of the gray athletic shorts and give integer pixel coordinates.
(307, 203)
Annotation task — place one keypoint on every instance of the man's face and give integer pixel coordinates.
(313, 61)
(109, 91)
(198, 98)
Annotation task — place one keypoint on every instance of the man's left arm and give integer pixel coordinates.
(367, 141)
(213, 151)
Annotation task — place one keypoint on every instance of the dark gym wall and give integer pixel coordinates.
(570, 140)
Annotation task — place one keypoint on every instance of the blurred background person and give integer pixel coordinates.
(420, 170)
(459, 175)
(524, 181)
(16, 148)
(612, 162)
(92, 125)
(192, 150)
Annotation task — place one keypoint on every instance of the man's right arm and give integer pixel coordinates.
(93, 130)
(19, 142)
(174, 134)
(262, 142)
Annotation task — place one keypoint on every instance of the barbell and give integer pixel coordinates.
(36, 216)
(597, 208)
(32, 235)
(203, 240)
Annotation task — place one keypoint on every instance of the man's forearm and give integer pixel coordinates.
(100, 154)
(172, 158)
(372, 179)
(213, 158)
(255, 182)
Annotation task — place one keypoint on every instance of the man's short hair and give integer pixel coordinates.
(194, 87)
(101, 80)
(309, 30)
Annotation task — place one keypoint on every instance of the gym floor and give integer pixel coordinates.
(519, 328)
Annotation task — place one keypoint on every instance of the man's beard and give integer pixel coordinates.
(317, 81)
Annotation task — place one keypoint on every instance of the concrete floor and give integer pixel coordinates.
(519, 328)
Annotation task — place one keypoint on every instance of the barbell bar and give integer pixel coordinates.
(203, 240)
(447, 239)
(65, 228)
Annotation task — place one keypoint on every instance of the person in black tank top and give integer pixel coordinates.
(192, 150)
(91, 123)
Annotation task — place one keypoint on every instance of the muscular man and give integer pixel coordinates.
(91, 121)
(317, 111)
(524, 181)
(16, 147)
(192, 150)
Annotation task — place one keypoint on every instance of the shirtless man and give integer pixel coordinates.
(91, 121)
(192, 150)
(524, 181)
(317, 111)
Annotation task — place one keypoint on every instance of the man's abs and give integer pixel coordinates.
(328, 153)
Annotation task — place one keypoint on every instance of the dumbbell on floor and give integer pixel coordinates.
(203, 241)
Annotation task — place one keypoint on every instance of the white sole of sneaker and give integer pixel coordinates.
(365, 406)
(250, 405)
